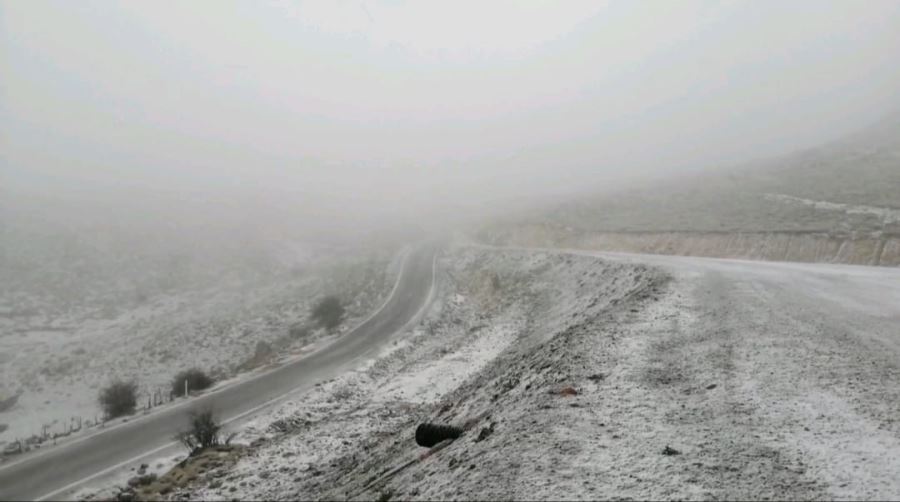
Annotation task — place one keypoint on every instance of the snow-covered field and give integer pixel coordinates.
(57, 364)
(605, 376)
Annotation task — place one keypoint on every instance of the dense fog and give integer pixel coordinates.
(326, 120)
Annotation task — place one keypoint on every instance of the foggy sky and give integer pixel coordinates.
(366, 110)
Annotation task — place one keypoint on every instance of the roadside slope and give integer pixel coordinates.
(329, 443)
(734, 380)
(599, 376)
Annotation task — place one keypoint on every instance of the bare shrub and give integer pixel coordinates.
(329, 312)
(203, 432)
(118, 399)
(263, 350)
(196, 378)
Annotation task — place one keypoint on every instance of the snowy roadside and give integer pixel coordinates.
(493, 310)
(586, 377)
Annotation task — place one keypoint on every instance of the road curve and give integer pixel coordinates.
(57, 472)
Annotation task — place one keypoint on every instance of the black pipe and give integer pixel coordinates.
(428, 435)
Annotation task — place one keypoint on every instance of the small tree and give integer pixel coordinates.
(203, 432)
(328, 312)
(196, 379)
(118, 399)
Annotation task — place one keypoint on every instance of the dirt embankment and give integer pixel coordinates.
(880, 250)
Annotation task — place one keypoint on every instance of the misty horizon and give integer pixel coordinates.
(372, 111)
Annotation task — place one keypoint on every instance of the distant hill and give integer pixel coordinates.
(837, 203)
(847, 186)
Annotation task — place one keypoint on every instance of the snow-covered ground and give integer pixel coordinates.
(57, 365)
(599, 376)
(493, 306)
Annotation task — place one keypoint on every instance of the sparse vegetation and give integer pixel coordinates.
(146, 487)
(119, 399)
(196, 379)
(226, 326)
(329, 312)
(203, 433)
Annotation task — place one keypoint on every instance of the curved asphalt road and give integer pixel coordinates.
(57, 472)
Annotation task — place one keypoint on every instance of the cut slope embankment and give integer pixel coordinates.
(812, 247)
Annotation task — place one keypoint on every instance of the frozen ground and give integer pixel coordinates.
(57, 360)
(607, 376)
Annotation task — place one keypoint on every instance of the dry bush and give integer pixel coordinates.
(196, 378)
(329, 312)
(203, 432)
(118, 399)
